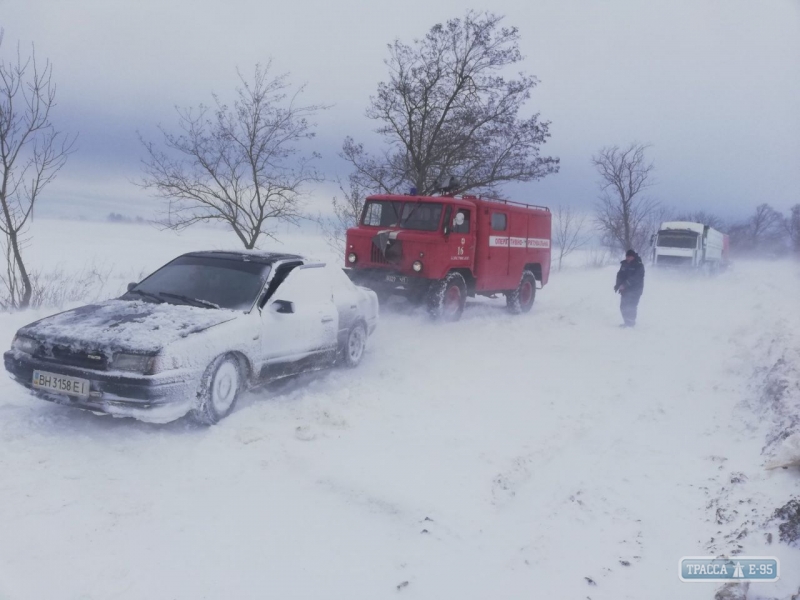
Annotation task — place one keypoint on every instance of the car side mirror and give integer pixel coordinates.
(131, 286)
(282, 306)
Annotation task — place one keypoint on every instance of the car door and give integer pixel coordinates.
(300, 319)
(347, 299)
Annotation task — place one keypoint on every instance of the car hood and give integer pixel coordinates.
(118, 325)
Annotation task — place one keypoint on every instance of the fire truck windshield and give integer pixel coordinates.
(421, 216)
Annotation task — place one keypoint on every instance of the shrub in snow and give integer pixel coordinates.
(790, 528)
(733, 591)
(58, 287)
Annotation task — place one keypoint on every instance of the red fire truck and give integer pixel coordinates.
(441, 249)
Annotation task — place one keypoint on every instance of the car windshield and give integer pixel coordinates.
(677, 240)
(421, 216)
(205, 281)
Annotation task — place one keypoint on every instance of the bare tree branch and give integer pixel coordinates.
(347, 210)
(236, 165)
(448, 110)
(625, 216)
(569, 231)
(32, 152)
(765, 232)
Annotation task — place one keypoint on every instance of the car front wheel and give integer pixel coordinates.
(219, 390)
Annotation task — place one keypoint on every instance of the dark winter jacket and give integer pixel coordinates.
(631, 275)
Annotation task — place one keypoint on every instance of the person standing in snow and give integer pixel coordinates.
(630, 285)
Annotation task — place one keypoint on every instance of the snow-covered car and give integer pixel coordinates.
(194, 334)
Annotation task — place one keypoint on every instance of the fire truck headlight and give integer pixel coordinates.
(417, 266)
(352, 258)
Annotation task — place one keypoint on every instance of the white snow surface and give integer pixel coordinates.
(495, 458)
(788, 453)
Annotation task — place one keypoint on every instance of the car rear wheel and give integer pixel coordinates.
(354, 345)
(521, 299)
(447, 298)
(219, 390)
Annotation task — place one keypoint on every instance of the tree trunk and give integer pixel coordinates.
(27, 290)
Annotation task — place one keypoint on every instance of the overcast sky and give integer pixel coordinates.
(713, 85)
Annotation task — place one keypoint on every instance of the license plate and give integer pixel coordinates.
(397, 279)
(62, 384)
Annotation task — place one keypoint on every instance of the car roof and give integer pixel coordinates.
(249, 255)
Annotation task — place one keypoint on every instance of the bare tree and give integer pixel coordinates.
(763, 233)
(793, 227)
(448, 110)
(32, 152)
(706, 218)
(625, 215)
(239, 166)
(347, 210)
(569, 232)
(766, 225)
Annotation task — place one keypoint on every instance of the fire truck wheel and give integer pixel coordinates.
(446, 298)
(521, 299)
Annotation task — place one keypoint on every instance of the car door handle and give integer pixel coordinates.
(327, 319)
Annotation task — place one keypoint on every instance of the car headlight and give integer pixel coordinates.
(138, 363)
(352, 258)
(417, 266)
(24, 344)
(166, 362)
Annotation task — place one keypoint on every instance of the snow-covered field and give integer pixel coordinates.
(550, 456)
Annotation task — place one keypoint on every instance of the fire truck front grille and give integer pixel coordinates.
(376, 256)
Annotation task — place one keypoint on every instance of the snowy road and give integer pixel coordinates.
(546, 456)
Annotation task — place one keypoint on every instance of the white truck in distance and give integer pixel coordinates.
(690, 245)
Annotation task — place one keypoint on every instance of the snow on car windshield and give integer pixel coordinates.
(421, 216)
(207, 281)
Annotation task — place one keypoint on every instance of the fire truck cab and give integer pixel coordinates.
(439, 250)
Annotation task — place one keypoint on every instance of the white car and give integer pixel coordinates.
(196, 333)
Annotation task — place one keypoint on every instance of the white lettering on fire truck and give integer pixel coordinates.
(518, 242)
